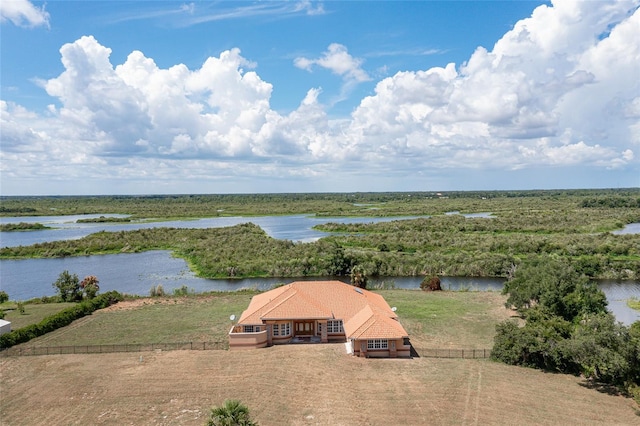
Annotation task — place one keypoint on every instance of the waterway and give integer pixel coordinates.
(136, 273)
(297, 228)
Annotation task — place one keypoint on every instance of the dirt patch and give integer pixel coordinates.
(293, 385)
(127, 305)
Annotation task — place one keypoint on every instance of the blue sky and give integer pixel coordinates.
(140, 97)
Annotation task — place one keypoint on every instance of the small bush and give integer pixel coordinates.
(182, 291)
(431, 283)
(4, 297)
(156, 291)
(60, 319)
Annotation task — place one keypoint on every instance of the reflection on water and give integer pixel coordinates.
(135, 273)
(295, 228)
(632, 228)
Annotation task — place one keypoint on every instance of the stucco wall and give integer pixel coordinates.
(247, 340)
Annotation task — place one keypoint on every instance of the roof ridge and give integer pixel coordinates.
(288, 294)
(258, 307)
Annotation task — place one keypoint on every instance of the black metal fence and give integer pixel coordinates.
(453, 353)
(103, 349)
(206, 346)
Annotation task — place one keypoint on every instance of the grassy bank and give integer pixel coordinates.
(33, 313)
(436, 320)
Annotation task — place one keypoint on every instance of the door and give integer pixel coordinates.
(305, 328)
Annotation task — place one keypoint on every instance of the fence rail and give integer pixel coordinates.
(206, 346)
(453, 353)
(103, 349)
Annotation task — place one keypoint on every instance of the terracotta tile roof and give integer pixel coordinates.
(365, 314)
(366, 324)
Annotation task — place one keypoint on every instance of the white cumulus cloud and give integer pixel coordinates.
(338, 60)
(23, 13)
(560, 89)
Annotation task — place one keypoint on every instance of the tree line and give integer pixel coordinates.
(322, 204)
(567, 327)
(443, 245)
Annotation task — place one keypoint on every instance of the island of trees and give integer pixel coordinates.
(576, 226)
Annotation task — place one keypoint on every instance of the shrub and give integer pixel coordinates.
(58, 320)
(231, 413)
(156, 291)
(431, 283)
(4, 297)
(182, 291)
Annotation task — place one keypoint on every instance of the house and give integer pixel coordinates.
(5, 327)
(322, 311)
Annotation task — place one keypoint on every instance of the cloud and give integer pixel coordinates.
(551, 91)
(338, 60)
(560, 89)
(200, 15)
(23, 14)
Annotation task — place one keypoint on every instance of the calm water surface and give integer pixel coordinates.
(293, 227)
(135, 273)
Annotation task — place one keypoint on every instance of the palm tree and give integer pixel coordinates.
(358, 277)
(231, 413)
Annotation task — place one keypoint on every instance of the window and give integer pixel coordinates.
(248, 329)
(377, 344)
(335, 326)
(285, 329)
(282, 329)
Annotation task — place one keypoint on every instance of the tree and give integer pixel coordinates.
(68, 287)
(358, 277)
(3, 296)
(605, 350)
(90, 286)
(555, 285)
(431, 283)
(231, 413)
(538, 344)
(567, 328)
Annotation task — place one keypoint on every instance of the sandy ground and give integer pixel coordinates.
(294, 385)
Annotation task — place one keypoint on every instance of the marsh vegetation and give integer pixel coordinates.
(576, 226)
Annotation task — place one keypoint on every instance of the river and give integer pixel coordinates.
(136, 273)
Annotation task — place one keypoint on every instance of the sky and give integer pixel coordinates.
(165, 97)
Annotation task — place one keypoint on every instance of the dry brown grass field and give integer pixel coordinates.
(295, 385)
(292, 384)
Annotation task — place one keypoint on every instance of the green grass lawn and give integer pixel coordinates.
(432, 319)
(33, 313)
(448, 319)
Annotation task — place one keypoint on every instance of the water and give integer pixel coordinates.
(136, 273)
(293, 227)
(632, 228)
